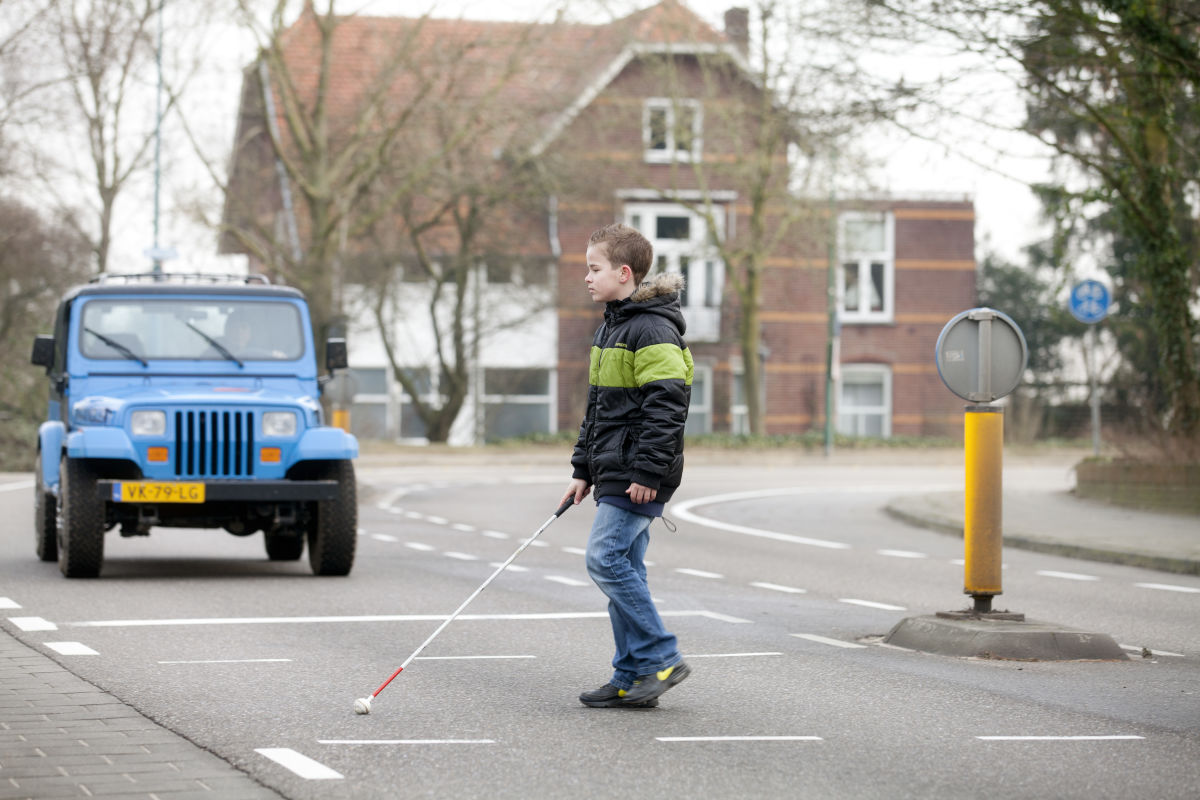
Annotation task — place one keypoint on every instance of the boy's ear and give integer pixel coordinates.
(626, 273)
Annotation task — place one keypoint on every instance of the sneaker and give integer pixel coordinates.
(609, 696)
(649, 687)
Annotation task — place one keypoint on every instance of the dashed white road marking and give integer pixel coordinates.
(424, 548)
(299, 763)
(405, 741)
(871, 604)
(464, 527)
(8, 602)
(699, 573)
(495, 534)
(775, 587)
(551, 615)
(413, 514)
(1139, 649)
(232, 661)
(1057, 738)
(1167, 587)
(1069, 576)
(510, 567)
(383, 537)
(575, 551)
(29, 624)
(812, 637)
(437, 520)
(739, 738)
(901, 553)
(71, 649)
(565, 581)
(460, 556)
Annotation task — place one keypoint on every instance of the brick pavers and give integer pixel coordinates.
(60, 736)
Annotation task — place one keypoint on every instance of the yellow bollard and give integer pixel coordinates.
(983, 428)
(341, 419)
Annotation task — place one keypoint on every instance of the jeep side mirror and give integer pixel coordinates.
(336, 356)
(43, 351)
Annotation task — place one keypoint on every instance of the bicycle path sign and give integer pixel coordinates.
(1089, 301)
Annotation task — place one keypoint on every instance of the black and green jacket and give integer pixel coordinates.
(639, 389)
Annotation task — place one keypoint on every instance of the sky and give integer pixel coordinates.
(977, 161)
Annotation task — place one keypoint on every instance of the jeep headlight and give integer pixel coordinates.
(148, 423)
(279, 423)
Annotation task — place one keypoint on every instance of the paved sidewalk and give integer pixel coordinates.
(60, 736)
(1056, 521)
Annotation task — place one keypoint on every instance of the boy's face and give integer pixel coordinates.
(604, 281)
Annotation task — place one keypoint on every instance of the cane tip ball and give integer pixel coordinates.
(362, 705)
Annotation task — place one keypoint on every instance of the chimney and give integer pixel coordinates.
(737, 28)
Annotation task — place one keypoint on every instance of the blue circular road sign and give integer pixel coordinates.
(1089, 301)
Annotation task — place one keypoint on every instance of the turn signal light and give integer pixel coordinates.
(270, 455)
(158, 455)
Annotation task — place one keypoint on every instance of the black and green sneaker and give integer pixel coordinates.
(649, 687)
(609, 696)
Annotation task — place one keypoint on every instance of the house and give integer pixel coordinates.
(624, 113)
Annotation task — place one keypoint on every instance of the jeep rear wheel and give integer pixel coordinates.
(333, 531)
(80, 521)
(284, 547)
(45, 516)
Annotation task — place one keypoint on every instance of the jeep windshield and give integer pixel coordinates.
(197, 330)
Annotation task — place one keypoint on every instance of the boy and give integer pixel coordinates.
(630, 450)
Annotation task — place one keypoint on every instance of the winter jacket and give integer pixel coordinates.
(639, 389)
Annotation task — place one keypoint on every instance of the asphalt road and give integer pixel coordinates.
(780, 582)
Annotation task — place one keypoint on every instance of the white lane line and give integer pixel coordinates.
(8, 602)
(901, 553)
(1057, 738)
(536, 542)
(71, 648)
(437, 520)
(460, 556)
(739, 738)
(1138, 649)
(16, 486)
(28, 624)
(775, 587)
(565, 581)
(553, 615)
(383, 537)
(467, 658)
(1069, 576)
(405, 741)
(464, 527)
(1167, 587)
(232, 661)
(299, 763)
(413, 514)
(871, 604)
(575, 551)
(730, 655)
(699, 573)
(424, 548)
(510, 568)
(495, 534)
(812, 637)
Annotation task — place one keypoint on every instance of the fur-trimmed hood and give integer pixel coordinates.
(656, 285)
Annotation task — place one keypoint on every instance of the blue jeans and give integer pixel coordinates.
(615, 552)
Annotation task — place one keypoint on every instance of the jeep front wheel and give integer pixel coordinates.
(333, 531)
(45, 516)
(80, 521)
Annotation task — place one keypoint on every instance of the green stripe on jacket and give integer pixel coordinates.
(617, 367)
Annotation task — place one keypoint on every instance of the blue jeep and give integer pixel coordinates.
(190, 401)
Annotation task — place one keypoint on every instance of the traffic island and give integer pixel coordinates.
(1001, 636)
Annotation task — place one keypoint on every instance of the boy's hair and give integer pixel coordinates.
(624, 245)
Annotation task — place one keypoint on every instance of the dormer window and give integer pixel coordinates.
(671, 130)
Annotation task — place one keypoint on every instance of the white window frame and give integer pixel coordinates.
(864, 259)
(862, 373)
(672, 152)
(547, 399)
(702, 374)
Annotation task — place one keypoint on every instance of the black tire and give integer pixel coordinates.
(333, 531)
(80, 521)
(45, 516)
(282, 547)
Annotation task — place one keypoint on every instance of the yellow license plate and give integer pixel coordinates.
(159, 492)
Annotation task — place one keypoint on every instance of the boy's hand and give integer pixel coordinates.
(641, 494)
(577, 489)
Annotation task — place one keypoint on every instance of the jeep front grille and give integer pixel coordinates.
(214, 443)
